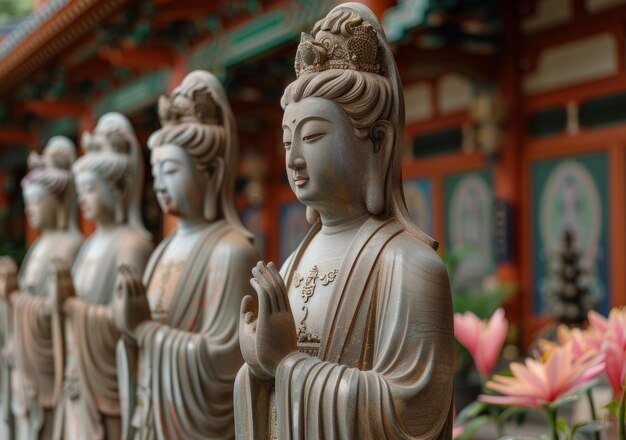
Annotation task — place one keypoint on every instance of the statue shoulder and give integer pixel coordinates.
(234, 246)
(73, 241)
(419, 281)
(416, 257)
(134, 247)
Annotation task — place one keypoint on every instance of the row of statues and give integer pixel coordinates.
(107, 338)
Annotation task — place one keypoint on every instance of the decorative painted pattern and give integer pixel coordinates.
(49, 36)
(574, 62)
(570, 194)
(469, 224)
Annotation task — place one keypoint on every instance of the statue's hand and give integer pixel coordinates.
(130, 304)
(267, 331)
(60, 286)
(8, 277)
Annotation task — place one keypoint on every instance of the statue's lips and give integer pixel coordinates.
(163, 199)
(300, 180)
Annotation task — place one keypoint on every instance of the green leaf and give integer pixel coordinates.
(472, 427)
(590, 427)
(562, 426)
(512, 411)
(613, 406)
(565, 400)
(471, 411)
(586, 387)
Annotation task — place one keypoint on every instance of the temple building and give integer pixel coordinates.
(515, 132)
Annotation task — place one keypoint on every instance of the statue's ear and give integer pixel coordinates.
(216, 174)
(215, 181)
(120, 194)
(382, 136)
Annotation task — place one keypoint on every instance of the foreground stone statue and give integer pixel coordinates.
(109, 180)
(354, 338)
(50, 206)
(184, 317)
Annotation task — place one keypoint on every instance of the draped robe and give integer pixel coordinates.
(31, 331)
(91, 338)
(188, 364)
(386, 360)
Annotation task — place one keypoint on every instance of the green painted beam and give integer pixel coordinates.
(135, 95)
(406, 15)
(59, 127)
(259, 35)
(254, 38)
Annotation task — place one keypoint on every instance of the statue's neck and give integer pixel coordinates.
(343, 225)
(106, 226)
(45, 232)
(190, 225)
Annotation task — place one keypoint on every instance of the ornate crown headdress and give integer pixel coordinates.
(112, 140)
(52, 157)
(200, 108)
(336, 51)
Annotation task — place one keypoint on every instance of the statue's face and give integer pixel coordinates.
(95, 197)
(324, 158)
(179, 187)
(40, 206)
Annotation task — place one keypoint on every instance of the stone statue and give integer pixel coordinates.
(50, 203)
(8, 286)
(353, 339)
(109, 181)
(184, 317)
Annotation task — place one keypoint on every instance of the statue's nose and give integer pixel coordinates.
(296, 163)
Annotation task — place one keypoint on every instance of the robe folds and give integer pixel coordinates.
(386, 359)
(90, 339)
(31, 330)
(188, 364)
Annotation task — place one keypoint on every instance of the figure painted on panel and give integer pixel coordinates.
(470, 222)
(184, 317)
(353, 339)
(50, 207)
(109, 180)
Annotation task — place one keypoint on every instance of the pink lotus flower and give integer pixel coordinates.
(596, 331)
(536, 383)
(581, 341)
(482, 339)
(614, 347)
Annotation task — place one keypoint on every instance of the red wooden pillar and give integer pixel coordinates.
(506, 171)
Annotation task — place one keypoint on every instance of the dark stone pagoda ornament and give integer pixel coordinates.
(571, 298)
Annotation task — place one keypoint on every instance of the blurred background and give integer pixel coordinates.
(514, 145)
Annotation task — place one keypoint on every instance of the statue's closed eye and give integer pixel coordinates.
(312, 137)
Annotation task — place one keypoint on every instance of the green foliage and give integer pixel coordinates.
(9, 246)
(14, 8)
(471, 411)
(613, 406)
(481, 301)
(472, 427)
